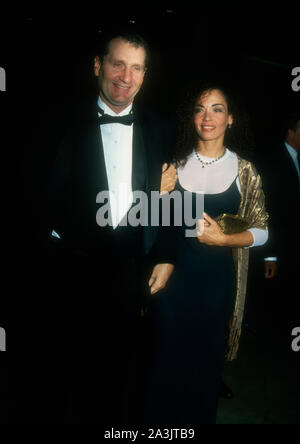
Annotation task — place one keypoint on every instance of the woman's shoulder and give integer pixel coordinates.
(241, 161)
(232, 155)
(246, 168)
(245, 162)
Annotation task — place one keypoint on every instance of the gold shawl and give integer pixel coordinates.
(252, 208)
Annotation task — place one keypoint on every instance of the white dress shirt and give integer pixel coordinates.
(117, 147)
(293, 153)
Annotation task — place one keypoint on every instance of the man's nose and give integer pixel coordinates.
(126, 75)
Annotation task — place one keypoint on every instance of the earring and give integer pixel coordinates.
(229, 126)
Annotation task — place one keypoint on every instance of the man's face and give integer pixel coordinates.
(293, 138)
(120, 74)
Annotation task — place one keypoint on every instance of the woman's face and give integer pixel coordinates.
(211, 116)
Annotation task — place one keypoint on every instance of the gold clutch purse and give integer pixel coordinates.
(231, 223)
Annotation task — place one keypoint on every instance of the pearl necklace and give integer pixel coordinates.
(211, 162)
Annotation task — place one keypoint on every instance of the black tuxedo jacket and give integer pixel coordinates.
(79, 174)
(281, 186)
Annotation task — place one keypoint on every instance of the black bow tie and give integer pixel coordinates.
(106, 118)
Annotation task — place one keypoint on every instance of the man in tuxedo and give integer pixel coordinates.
(101, 275)
(281, 178)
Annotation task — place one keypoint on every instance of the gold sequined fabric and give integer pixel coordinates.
(252, 209)
(232, 223)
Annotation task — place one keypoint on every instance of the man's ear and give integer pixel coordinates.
(97, 66)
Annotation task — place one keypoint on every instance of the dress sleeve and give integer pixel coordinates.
(260, 236)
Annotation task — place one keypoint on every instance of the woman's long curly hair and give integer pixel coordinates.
(238, 138)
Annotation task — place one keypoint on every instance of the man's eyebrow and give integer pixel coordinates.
(114, 60)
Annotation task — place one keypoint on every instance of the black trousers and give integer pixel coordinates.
(77, 337)
(107, 313)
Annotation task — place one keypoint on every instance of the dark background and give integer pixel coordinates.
(48, 58)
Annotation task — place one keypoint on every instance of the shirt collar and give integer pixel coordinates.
(291, 150)
(110, 112)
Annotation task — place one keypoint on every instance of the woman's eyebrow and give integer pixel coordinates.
(198, 105)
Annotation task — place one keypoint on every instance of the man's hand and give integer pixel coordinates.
(271, 269)
(168, 178)
(159, 277)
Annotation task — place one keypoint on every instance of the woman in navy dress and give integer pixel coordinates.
(191, 315)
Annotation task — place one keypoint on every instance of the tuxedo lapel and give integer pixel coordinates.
(147, 137)
(139, 159)
(290, 172)
(90, 160)
(89, 175)
(147, 133)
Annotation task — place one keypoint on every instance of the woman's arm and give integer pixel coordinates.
(238, 240)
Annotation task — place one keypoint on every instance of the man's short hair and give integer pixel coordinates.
(292, 121)
(135, 39)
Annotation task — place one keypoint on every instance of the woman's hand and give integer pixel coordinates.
(210, 232)
(168, 178)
